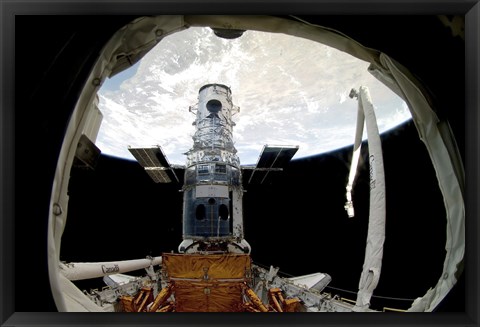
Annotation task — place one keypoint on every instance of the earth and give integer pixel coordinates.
(290, 91)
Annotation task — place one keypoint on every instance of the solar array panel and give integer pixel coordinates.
(272, 158)
(158, 175)
(155, 163)
(149, 157)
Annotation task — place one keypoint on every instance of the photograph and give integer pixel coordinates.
(241, 164)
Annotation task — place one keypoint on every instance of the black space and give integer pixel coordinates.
(116, 212)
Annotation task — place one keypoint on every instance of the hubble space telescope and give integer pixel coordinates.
(212, 192)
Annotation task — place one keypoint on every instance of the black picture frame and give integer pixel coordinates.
(12, 98)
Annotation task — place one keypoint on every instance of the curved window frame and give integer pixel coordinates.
(127, 46)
